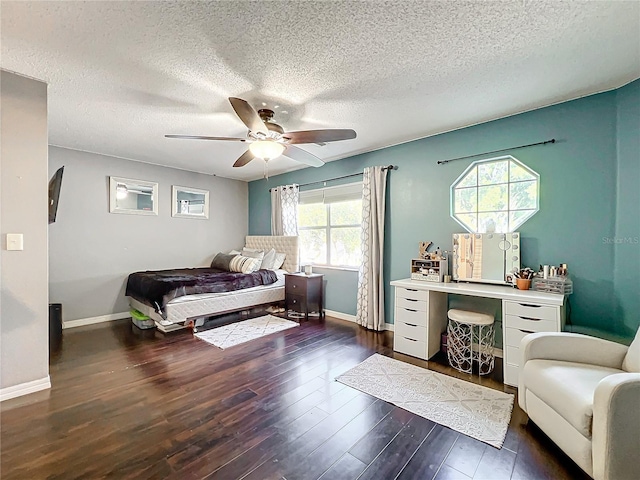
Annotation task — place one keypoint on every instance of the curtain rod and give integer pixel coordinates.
(388, 167)
(441, 162)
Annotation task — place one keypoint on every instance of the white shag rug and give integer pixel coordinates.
(241, 332)
(471, 409)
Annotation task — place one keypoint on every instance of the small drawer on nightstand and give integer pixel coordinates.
(294, 301)
(410, 330)
(412, 316)
(411, 293)
(295, 284)
(410, 304)
(526, 310)
(409, 346)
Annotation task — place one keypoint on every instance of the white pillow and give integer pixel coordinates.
(269, 259)
(243, 264)
(235, 252)
(279, 261)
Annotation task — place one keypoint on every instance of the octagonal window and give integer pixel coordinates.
(496, 195)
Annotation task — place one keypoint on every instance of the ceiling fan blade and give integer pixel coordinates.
(319, 136)
(302, 156)
(248, 115)
(244, 159)
(200, 137)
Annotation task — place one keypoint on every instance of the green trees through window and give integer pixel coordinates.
(330, 233)
(496, 195)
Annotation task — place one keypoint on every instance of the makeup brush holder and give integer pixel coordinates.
(523, 283)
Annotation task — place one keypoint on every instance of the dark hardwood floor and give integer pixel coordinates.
(127, 403)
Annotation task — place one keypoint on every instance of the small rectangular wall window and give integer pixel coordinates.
(329, 225)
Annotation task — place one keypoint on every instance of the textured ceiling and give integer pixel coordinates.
(122, 74)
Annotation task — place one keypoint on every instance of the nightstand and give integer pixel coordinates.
(303, 293)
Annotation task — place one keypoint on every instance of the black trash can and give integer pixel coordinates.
(55, 326)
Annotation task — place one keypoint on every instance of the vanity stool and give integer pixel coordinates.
(460, 339)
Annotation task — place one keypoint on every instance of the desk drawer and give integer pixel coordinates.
(412, 331)
(530, 310)
(511, 374)
(410, 304)
(512, 355)
(409, 346)
(530, 325)
(411, 315)
(411, 293)
(513, 336)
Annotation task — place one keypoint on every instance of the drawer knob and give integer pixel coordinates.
(529, 305)
(526, 331)
(295, 286)
(410, 339)
(411, 324)
(411, 290)
(529, 318)
(294, 301)
(410, 310)
(411, 299)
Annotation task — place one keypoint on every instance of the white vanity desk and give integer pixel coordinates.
(421, 317)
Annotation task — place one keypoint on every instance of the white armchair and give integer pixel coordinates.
(584, 393)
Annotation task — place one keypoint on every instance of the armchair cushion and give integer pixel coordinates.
(631, 361)
(567, 387)
(572, 347)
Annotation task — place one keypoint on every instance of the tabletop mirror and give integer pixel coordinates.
(189, 202)
(133, 197)
(485, 257)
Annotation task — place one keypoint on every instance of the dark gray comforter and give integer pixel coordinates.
(157, 288)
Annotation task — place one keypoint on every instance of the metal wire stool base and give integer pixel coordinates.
(460, 351)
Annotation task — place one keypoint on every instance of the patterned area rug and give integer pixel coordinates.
(471, 409)
(241, 332)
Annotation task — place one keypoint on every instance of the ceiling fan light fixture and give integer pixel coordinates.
(266, 149)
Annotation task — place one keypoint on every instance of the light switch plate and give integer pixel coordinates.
(15, 241)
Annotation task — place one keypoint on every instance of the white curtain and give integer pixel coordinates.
(370, 307)
(284, 210)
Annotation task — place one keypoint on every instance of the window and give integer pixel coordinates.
(496, 195)
(329, 222)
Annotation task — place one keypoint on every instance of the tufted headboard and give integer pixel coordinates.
(287, 245)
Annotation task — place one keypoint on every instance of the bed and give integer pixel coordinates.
(190, 310)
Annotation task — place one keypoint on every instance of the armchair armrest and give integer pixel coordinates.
(616, 427)
(572, 347)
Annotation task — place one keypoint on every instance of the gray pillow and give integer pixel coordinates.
(221, 261)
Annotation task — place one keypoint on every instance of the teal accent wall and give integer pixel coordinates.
(578, 205)
(626, 244)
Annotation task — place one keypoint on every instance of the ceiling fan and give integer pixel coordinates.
(268, 140)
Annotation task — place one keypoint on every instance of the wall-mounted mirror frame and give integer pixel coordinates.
(133, 197)
(485, 257)
(188, 202)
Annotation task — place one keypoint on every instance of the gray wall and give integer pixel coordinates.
(91, 251)
(24, 346)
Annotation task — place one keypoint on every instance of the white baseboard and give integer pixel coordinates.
(25, 388)
(91, 320)
(389, 326)
(351, 318)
